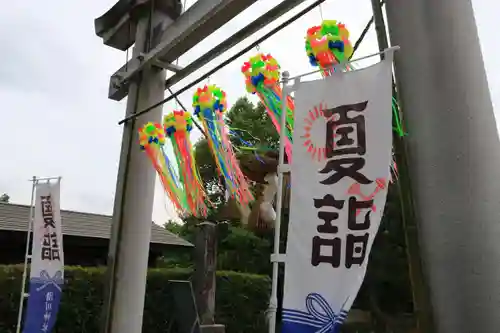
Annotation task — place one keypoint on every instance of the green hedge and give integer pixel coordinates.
(241, 300)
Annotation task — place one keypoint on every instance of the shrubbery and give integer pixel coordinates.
(241, 300)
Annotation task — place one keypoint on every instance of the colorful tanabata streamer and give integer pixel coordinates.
(152, 140)
(262, 73)
(327, 45)
(209, 104)
(177, 126)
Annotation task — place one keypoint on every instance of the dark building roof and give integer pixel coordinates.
(15, 217)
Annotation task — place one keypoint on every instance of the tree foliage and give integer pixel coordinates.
(208, 172)
(251, 125)
(241, 300)
(238, 250)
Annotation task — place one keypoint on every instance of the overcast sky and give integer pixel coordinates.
(54, 74)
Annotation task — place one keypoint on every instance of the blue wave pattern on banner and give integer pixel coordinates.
(319, 318)
(43, 302)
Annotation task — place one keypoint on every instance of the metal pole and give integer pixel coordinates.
(273, 302)
(419, 285)
(378, 19)
(455, 158)
(133, 207)
(27, 256)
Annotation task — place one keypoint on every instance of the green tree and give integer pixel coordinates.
(243, 251)
(178, 258)
(5, 198)
(239, 249)
(177, 228)
(251, 125)
(208, 172)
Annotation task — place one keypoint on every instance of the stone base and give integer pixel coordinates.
(214, 328)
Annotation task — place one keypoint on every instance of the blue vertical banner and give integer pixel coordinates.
(47, 261)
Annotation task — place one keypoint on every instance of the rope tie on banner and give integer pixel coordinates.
(323, 312)
(319, 314)
(46, 280)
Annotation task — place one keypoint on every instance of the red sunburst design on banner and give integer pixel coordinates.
(315, 148)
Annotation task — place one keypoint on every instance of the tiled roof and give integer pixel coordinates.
(15, 217)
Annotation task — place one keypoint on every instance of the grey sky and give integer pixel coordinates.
(54, 72)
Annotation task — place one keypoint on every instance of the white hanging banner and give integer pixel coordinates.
(47, 261)
(340, 172)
